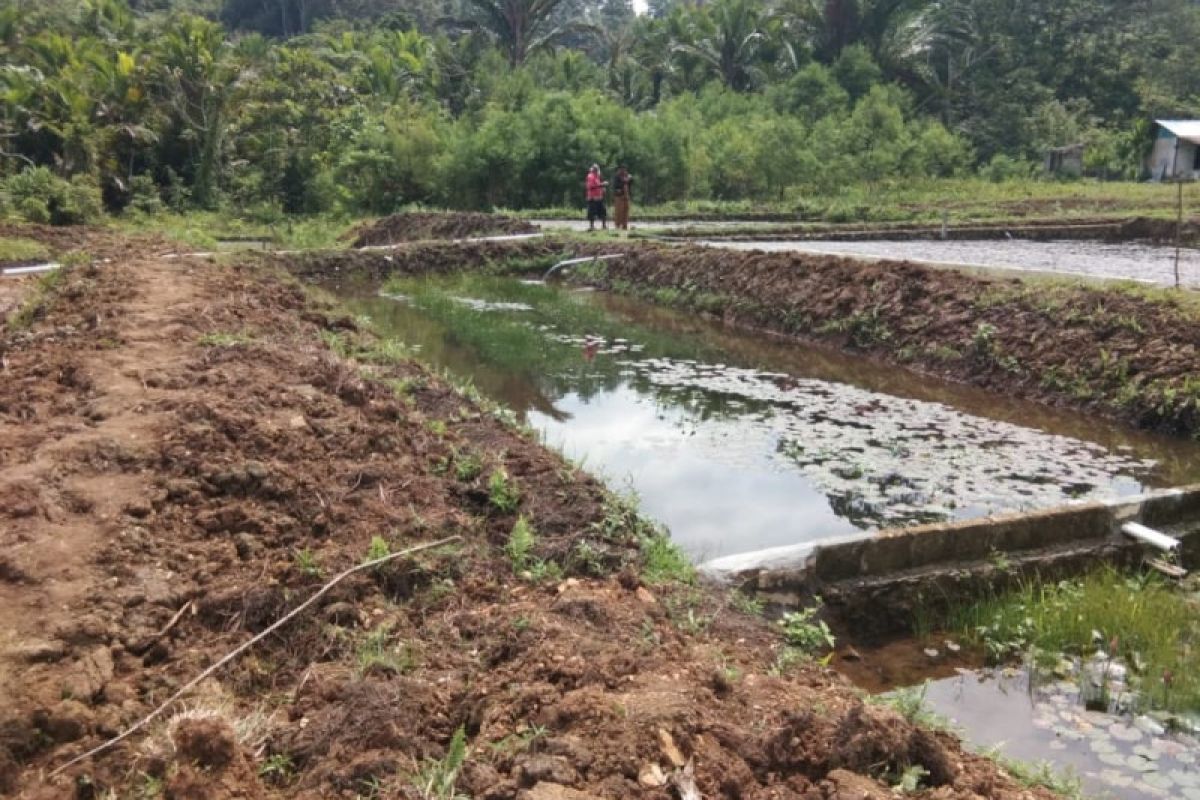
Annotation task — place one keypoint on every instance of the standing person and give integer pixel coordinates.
(595, 199)
(621, 190)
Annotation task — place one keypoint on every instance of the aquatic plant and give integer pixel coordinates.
(1139, 618)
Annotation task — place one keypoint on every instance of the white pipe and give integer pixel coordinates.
(1150, 536)
(34, 270)
(572, 261)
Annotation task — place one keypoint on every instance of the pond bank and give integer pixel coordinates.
(1126, 353)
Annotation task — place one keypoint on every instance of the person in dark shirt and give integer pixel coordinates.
(622, 184)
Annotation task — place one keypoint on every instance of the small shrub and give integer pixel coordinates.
(502, 491)
(40, 196)
(144, 196)
(379, 548)
(805, 632)
(306, 561)
(520, 544)
(467, 466)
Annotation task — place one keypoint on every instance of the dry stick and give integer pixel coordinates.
(242, 648)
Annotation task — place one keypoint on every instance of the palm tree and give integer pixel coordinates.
(196, 77)
(521, 27)
(729, 37)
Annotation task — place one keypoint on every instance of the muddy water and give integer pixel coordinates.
(1127, 757)
(1093, 259)
(737, 442)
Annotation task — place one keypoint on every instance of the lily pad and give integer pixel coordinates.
(1141, 764)
(1125, 733)
(1114, 778)
(1102, 746)
(1112, 759)
(1148, 753)
(1158, 780)
(1187, 779)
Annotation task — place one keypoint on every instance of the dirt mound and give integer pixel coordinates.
(206, 456)
(417, 226)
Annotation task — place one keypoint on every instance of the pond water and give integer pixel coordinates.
(1119, 756)
(1124, 261)
(739, 442)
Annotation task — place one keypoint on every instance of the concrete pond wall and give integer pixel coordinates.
(878, 580)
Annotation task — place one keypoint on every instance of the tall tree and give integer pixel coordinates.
(520, 27)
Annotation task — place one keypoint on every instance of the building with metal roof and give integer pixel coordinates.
(1176, 154)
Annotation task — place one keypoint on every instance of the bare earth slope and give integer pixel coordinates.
(179, 436)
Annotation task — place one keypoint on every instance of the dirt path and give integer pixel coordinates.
(180, 435)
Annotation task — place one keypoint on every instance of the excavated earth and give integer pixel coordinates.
(189, 449)
(436, 225)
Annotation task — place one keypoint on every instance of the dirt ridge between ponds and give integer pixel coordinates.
(423, 225)
(1107, 229)
(186, 434)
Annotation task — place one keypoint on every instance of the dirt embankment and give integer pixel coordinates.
(423, 225)
(184, 455)
(1120, 229)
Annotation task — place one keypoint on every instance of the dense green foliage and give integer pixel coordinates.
(1142, 620)
(303, 106)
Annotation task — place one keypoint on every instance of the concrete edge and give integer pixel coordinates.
(875, 554)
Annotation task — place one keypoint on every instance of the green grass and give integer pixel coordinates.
(204, 229)
(664, 562)
(925, 201)
(14, 248)
(39, 300)
(1156, 628)
(376, 654)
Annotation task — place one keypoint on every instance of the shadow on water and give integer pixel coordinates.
(737, 441)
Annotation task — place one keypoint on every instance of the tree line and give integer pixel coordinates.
(308, 106)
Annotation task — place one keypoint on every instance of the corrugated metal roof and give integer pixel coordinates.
(1186, 129)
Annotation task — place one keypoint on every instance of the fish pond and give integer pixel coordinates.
(738, 442)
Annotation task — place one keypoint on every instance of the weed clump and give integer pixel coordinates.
(503, 492)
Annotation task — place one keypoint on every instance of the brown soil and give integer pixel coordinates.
(178, 435)
(436, 225)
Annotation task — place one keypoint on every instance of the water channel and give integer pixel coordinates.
(738, 442)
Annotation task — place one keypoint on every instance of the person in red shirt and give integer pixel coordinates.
(595, 199)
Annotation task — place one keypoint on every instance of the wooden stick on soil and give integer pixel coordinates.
(146, 720)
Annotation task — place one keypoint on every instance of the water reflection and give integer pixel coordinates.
(738, 442)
